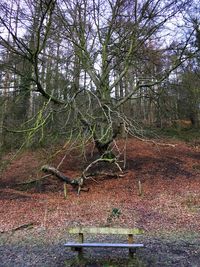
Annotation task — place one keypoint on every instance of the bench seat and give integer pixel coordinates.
(102, 245)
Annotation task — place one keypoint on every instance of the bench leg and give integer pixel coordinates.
(80, 250)
(80, 253)
(132, 251)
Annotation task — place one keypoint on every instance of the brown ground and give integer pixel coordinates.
(168, 210)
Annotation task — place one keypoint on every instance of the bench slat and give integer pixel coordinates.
(103, 245)
(104, 230)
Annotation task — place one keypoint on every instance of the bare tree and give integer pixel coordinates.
(108, 63)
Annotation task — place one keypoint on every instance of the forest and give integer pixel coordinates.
(100, 99)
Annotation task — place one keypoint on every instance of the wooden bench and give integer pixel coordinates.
(81, 231)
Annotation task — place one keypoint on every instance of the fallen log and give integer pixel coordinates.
(73, 182)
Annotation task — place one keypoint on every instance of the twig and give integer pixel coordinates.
(154, 142)
(100, 160)
(35, 180)
(65, 190)
(21, 227)
(140, 188)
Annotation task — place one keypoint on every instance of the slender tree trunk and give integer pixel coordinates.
(2, 114)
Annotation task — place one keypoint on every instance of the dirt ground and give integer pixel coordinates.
(34, 217)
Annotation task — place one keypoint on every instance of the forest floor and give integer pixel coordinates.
(34, 217)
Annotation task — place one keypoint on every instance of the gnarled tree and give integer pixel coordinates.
(99, 63)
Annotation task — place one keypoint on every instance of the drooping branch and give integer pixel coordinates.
(102, 159)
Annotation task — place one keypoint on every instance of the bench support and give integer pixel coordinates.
(80, 249)
(132, 251)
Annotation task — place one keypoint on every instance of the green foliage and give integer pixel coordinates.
(116, 213)
(113, 215)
